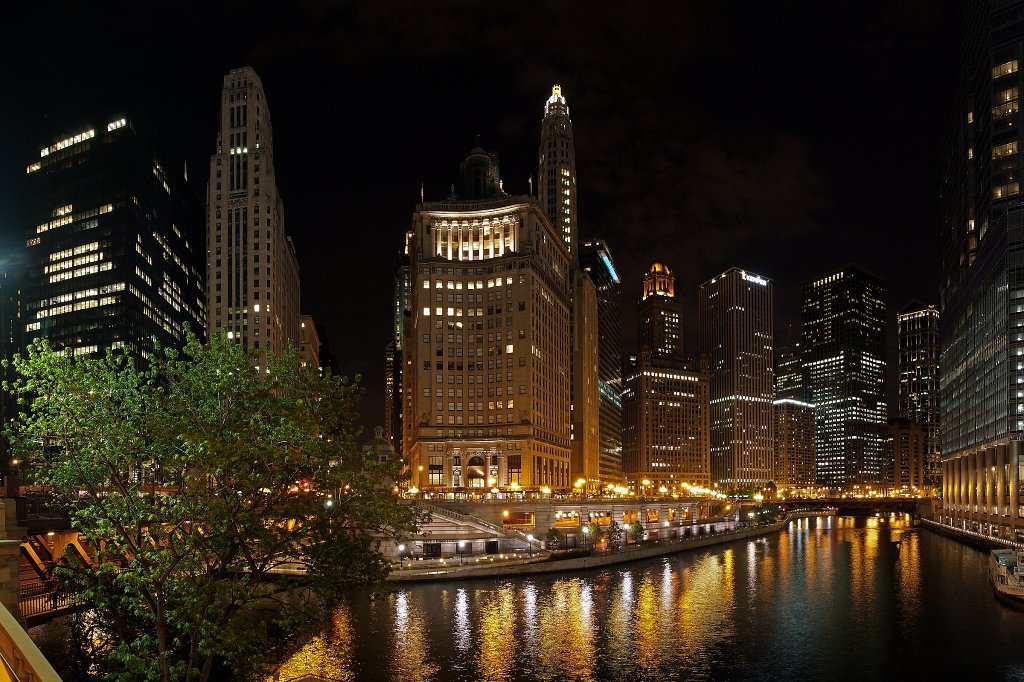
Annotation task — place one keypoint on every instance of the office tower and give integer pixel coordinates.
(981, 299)
(736, 335)
(907, 457)
(487, 344)
(252, 273)
(401, 310)
(794, 422)
(666, 412)
(309, 343)
(794, 444)
(843, 339)
(113, 248)
(11, 329)
(660, 315)
(789, 373)
(557, 169)
(585, 467)
(919, 379)
(596, 260)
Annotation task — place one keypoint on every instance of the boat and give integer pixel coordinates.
(1006, 569)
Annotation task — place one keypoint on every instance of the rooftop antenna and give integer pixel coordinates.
(531, 185)
(421, 191)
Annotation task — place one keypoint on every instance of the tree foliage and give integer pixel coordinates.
(202, 483)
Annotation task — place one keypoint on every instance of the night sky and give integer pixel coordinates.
(785, 138)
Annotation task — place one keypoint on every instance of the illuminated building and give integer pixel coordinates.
(666, 437)
(919, 379)
(736, 335)
(843, 339)
(309, 343)
(908, 456)
(113, 244)
(11, 330)
(794, 444)
(596, 260)
(981, 298)
(487, 343)
(789, 373)
(252, 272)
(557, 169)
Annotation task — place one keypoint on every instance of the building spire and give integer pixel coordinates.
(557, 169)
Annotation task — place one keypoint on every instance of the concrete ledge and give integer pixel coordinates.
(590, 562)
(970, 537)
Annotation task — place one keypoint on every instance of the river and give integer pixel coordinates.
(836, 598)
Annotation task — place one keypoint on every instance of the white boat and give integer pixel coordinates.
(1006, 568)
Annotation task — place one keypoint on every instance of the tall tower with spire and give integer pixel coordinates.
(557, 169)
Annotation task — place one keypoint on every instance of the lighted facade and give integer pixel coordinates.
(113, 248)
(556, 180)
(908, 456)
(666, 437)
(252, 272)
(736, 335)
(919, 380)
(309, 343)
(487, 344)
(596, 260)
(843, 339)
(794, 444)
(585, 467)
(981, 297)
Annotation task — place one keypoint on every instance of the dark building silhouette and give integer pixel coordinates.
(114, 243)
(919, 380)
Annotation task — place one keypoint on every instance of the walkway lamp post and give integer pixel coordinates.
(586, 531)
(461, 542)
(529, 539)
(401, 556)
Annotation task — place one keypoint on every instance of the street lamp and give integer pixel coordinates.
(401, 556)
(460, 551)
(529, 538)
(586, 531)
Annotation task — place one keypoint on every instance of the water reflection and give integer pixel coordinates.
(822, 599)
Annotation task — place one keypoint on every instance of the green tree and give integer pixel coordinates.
(637, 529)
(554, 538)
(594, 533)
(198, 478)
(614, 533)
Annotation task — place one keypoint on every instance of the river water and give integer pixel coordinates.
(835, 598)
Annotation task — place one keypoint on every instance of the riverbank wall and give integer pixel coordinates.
(969, 537)
(600, 560)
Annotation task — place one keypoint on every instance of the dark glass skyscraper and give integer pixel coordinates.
(596, 261)
(919, 380)
(114, 244)
(982, 286)
(843, 326)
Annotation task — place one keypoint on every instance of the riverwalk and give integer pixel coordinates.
(543, 564)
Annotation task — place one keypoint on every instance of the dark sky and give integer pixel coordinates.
(785, 138)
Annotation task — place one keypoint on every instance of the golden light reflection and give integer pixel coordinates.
(411, 648)
(705, 608)
(329, 654)
(496, 646)
(565, 633)
(647, 627)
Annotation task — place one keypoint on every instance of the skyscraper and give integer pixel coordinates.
(487, 344)
(596, 260)
(557, 169)
(660, 316)
(113, 245)
(919, 380)
(586, 444)
(402, 308)
(794, 422)
(252, 271)
(981, 299)
(736, 335)
(843, 329)
(666, 437)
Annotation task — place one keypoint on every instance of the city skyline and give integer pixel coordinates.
(641, 150)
